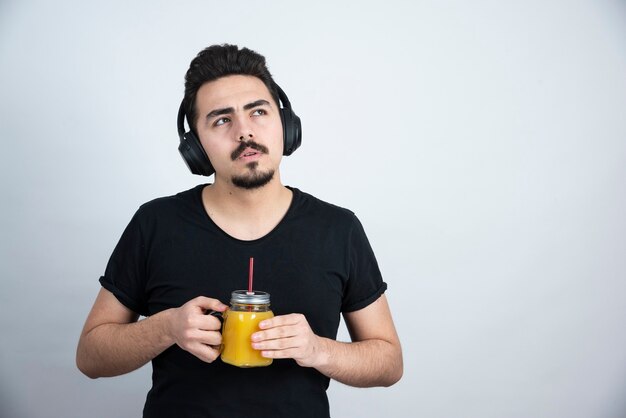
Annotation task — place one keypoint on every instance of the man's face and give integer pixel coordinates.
(240, 129)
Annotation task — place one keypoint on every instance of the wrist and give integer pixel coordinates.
(165, 328)
(322, 353)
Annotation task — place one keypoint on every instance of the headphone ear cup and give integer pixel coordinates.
(292, 130)
(194, 156)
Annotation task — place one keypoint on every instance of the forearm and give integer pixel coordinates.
(373, 359)
(362, 364)
(113, 349)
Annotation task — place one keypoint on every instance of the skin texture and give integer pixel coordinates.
(234, 110)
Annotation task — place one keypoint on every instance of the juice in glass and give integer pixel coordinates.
(238, 329)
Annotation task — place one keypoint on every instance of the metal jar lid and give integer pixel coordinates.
(251, 298)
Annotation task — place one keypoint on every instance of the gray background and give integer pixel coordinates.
(482, 144)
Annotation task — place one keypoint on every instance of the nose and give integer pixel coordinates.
(244, 130)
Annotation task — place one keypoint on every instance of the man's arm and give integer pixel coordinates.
(374, 358)
(113, 342)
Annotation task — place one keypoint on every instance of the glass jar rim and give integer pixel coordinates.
(255, 297)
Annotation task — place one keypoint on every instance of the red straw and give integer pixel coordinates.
(250, 274)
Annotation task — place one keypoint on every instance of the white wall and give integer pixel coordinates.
(481, 143)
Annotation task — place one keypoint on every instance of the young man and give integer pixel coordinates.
(182, 256)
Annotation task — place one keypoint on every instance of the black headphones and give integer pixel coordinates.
(198, 162)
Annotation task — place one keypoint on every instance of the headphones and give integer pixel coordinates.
(198, 162)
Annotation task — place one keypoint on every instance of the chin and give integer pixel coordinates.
(253, 180)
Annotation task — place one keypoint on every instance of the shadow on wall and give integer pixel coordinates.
(619, 411)
(8, 406)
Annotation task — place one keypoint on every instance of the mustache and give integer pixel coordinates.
(248, 144)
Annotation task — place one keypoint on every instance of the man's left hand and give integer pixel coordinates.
(289, 336)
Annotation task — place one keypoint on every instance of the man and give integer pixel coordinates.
(181, 257)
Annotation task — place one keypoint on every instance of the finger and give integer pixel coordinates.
(204, 352)
(209, 323)
(280, 344)
(193, 339)
(281, 320)
(197, 336)
(293, 353)
(209, 304)
(276, 333)
(209, 338)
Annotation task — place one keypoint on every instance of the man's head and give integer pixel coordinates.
(235, 85)
(219, 61)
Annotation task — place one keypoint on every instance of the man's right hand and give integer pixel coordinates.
(195, 331)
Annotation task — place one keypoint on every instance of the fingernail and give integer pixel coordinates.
(263, 324)
(256, 337)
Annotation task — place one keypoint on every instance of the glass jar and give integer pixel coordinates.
(241, 320)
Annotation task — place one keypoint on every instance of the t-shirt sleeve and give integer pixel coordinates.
(365, 283)
(125, 274)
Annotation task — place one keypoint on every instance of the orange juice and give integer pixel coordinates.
(236, 338)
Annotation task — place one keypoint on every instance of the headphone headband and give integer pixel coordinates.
(180, 122)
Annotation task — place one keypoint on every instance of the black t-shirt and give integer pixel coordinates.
(317, 261)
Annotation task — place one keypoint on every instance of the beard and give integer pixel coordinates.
(253, 179)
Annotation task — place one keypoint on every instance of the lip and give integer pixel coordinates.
(249, 154)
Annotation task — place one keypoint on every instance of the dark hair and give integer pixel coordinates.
(218, 61)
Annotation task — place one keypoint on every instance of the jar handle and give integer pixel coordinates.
(221, 316)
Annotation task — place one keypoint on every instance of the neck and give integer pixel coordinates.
(246, 214)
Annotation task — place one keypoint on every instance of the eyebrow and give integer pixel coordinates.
(227, 110)
(257, 103)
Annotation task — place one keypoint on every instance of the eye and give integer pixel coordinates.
(259, 112)
(220, 121)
